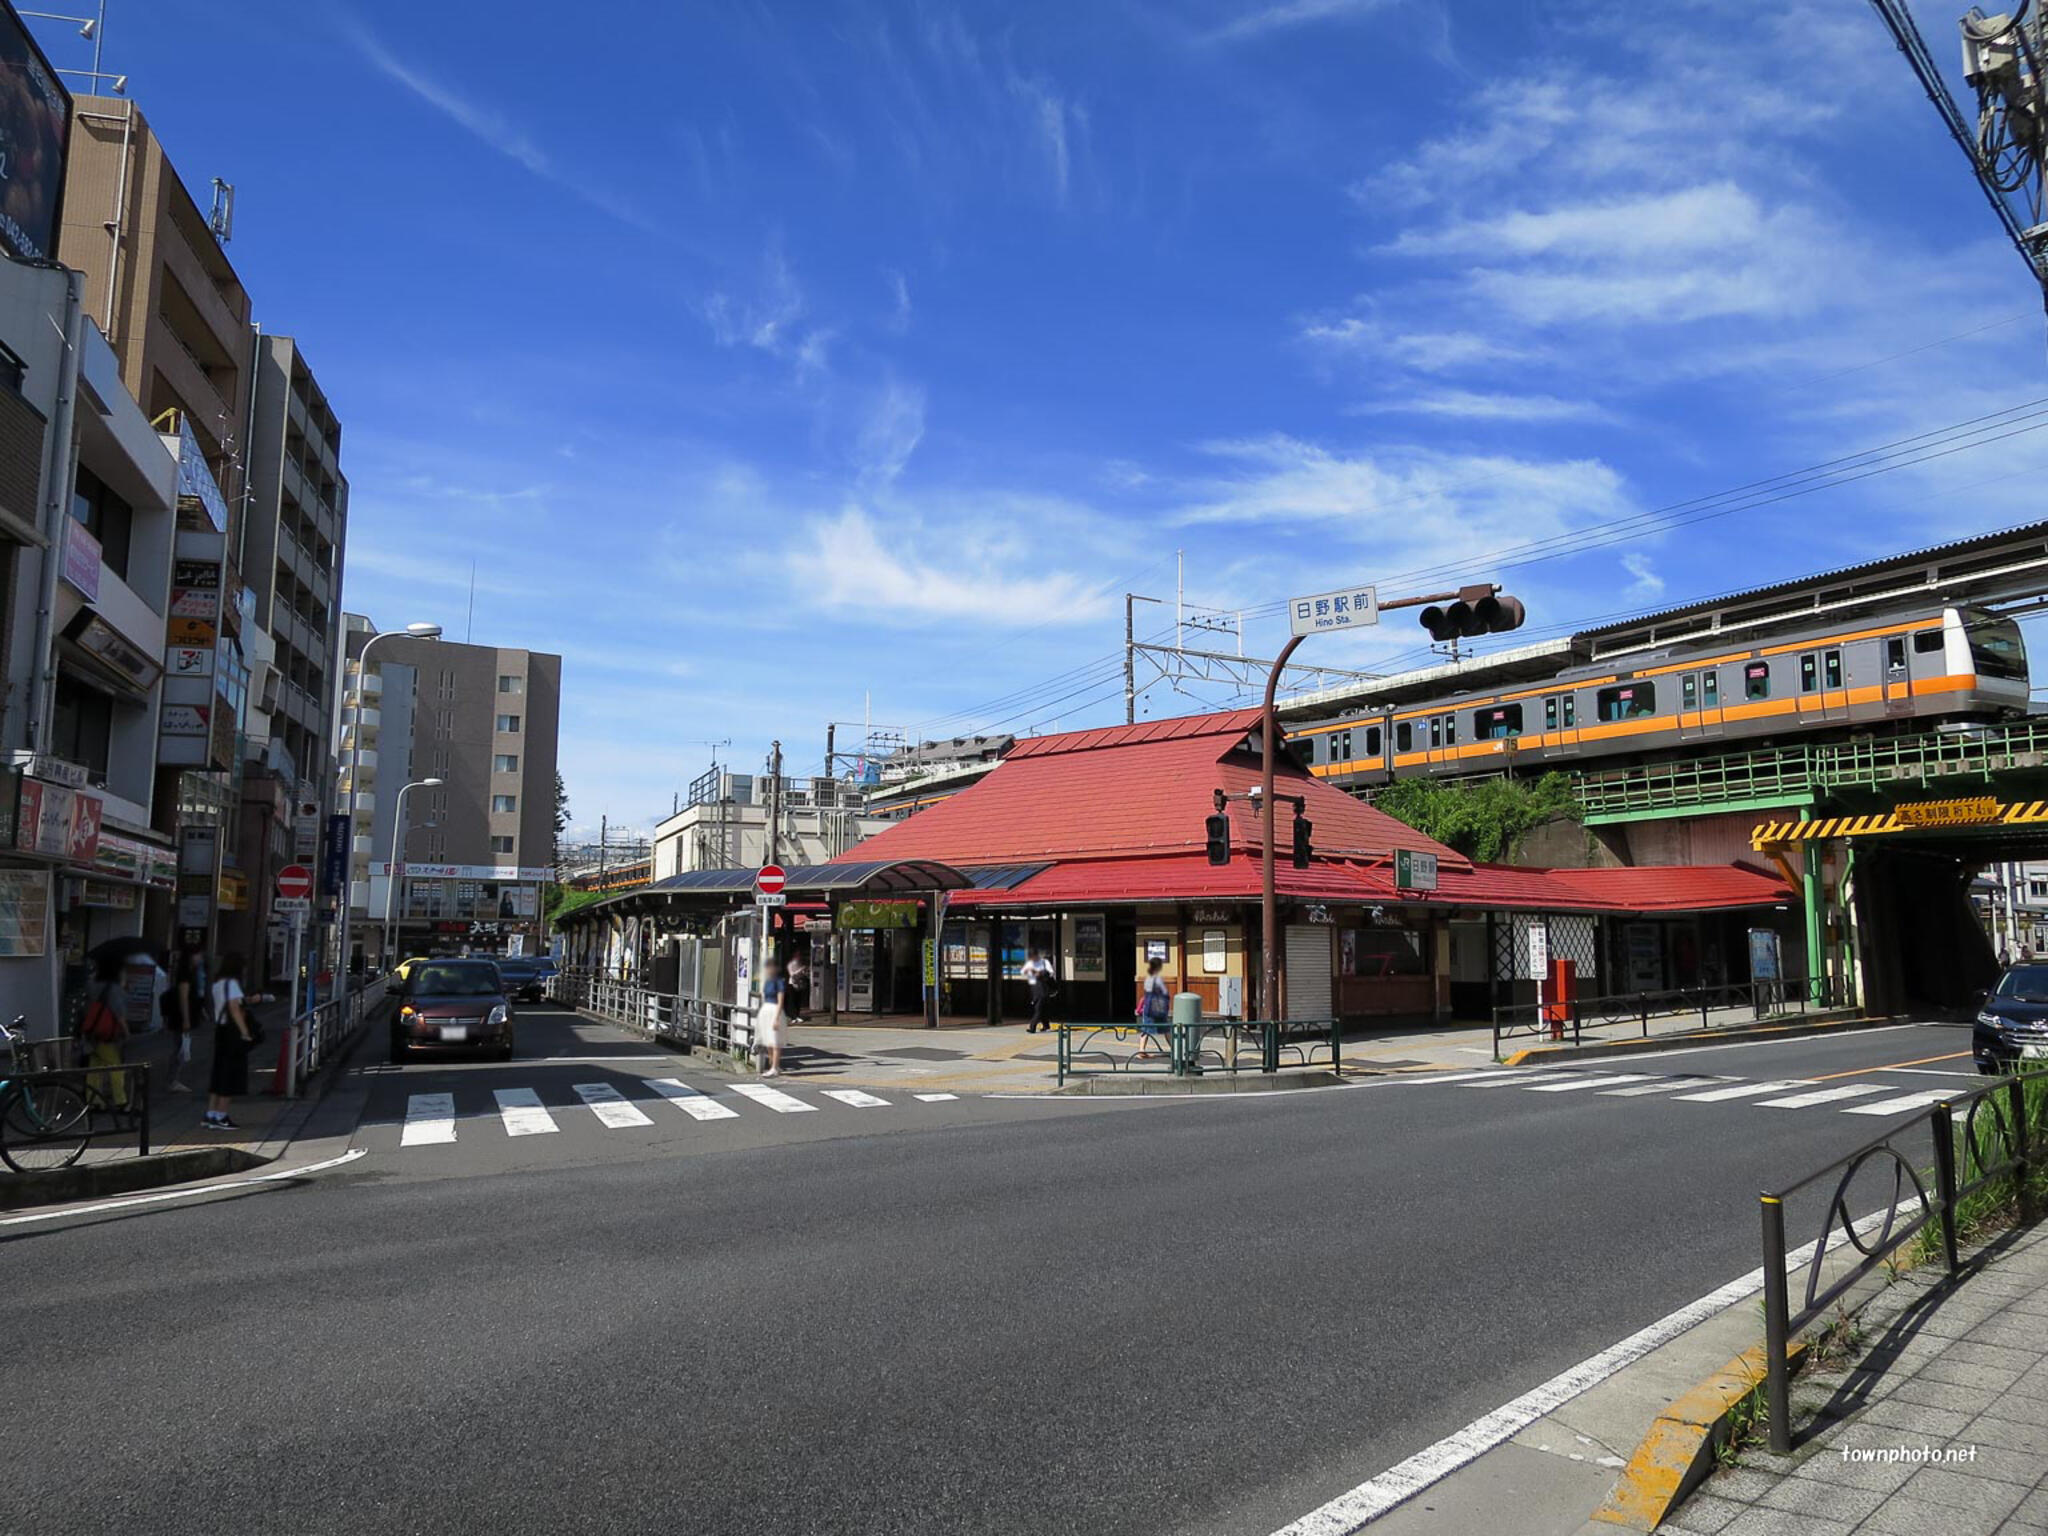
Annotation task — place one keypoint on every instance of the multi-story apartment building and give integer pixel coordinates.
(461, 864)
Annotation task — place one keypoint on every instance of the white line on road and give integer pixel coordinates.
(1520, 1075)
(698, 1106)
(1743, 1091)
(186, 1194)
(856, 1098)
(934, 1098)
(1464, 1077)
(1350, 1512)
(611, 1106)
(1824, 1096)
(429, 1117)
(1769, 1044)
(1663, 1085)
(1585, 1082)
(1899, 1106)
(774, 1098)
(520, 1109)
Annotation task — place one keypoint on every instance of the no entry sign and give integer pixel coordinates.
(770, 880)
(295, 882)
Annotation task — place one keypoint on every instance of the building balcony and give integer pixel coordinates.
(363, 847)
(366, 716)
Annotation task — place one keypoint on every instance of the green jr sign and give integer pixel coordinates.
(877, 914)
(1414, 871)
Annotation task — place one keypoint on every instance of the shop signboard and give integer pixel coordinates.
(10, 804)
(334, 855)
(1414, 870)
(57, 821)
(24, 913)
(35, 125)
(191, 632)
(184, 720)
(81, 567)
(1090, 949)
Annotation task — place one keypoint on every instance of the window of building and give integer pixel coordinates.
(510, 684)
(106, 517)
(1631, 701)
(1756, 680)
(505, 762)
(1926, 640)
(508, 724)
(1831, 669)
(1895, 655)
(1499, 723)
(501, 845)
(1689, 691)
(1809, 673)
(83, 726)
(504, 802)
(1404, 736)
(1372, 741)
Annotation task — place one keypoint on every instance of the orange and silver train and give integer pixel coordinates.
(1944, 663)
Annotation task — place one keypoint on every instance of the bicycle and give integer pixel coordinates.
(45, 1121)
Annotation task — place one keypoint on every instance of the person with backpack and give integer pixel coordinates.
(104, 1031)
(235, 1034)
(1155, 1008)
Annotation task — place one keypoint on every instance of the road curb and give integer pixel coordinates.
(93, 1181)
(1536, 1056)
(1677, 1454)
(1123, 1084)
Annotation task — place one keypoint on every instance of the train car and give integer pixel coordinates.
(1936, 664)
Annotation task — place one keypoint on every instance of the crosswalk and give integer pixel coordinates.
(436, 1119)
(1793, 1093)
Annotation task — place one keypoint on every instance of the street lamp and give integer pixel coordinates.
(396, 874)
(355, 767)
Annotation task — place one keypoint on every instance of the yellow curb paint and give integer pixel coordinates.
(1678, 1452)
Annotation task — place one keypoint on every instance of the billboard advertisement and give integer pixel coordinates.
(35, 130)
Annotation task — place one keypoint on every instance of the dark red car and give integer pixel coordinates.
(452, 1005)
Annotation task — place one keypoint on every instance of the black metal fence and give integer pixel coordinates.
(48, 1118)
(1721, 1007)
(1968, 1143)
(1200, 1048)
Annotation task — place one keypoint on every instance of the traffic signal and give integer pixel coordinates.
(1302, 828)
(1477, 611)
(1219, 839)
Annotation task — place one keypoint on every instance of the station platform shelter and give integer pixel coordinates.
(1090, 847)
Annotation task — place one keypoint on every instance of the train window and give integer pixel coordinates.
(1497, 723)
(1404, 736)
(1689, 690)
(1450, 730)
(1372, 741)
(1831, 668)
(1436, 730)
(1343, 754)
(1629, 702)
(1710, 689)
(1895, 655)
(1756, 680)
(1571, 710)
(1926, 640)
(1550, 714)
(1996, 648)
(1809, 672)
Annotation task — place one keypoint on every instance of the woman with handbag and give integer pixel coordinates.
(770, 1027)
(235, 1034)
(104, 1032)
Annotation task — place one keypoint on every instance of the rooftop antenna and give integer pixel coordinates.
(222, 218)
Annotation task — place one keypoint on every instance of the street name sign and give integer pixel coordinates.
(291, 906)
(770, 899)
(1353, 608)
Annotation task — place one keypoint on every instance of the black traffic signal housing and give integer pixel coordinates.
(1478, 610)
(1219, 839)
(1303, 829)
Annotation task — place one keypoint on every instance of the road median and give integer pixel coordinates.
(1797, 1028)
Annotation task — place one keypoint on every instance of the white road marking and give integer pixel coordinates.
(520, 1109)
(429, 1117)
(856, 1098)
(1743, 1091)
(1463, 1077)
(1351, 1512)
(611, 1106)
(698, 1106)
(1585, 1082)
(1520, 1075)
(186, 1194)
(1821, 1096)
(1769, 1043)
(782, 1103)
(934, 1098)
(1899, 1106)
(1664, 1085)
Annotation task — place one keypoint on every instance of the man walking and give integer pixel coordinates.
(1038, 974)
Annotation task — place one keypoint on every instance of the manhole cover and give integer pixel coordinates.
(923, 1053)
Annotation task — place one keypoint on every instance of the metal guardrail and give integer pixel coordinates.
(2001, 1128)
(1199, 1048)
(689, 1021)
(313, 1038)
(1749, 1000)
(93, 1086)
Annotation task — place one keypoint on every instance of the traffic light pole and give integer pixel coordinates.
(1506, 613)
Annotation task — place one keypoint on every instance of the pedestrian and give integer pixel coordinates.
(187, 1010)
(104, 1030)
(234, 1036)
(797, 991)
(1038, 974)
(1155, 1006)
(771, 1028)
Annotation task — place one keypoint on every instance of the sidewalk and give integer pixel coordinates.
(1940, 1427)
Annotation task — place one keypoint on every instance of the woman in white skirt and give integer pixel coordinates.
(771, 1028)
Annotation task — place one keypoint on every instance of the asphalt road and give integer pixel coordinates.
(1185, 1316)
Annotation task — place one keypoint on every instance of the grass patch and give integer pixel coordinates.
(1749, 1422)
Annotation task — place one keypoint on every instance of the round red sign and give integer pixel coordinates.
(295, 882)
(770, 880)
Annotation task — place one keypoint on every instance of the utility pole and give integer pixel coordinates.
(774, 803)
(603, 843)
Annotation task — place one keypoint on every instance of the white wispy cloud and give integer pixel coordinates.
(1471, 405)
(769, 319)
(890, 435)
(1290, 14)
(900, 311)
(1646, 585)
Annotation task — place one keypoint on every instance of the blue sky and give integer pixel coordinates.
(774, 358)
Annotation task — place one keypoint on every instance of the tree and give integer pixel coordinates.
(1482, 820)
